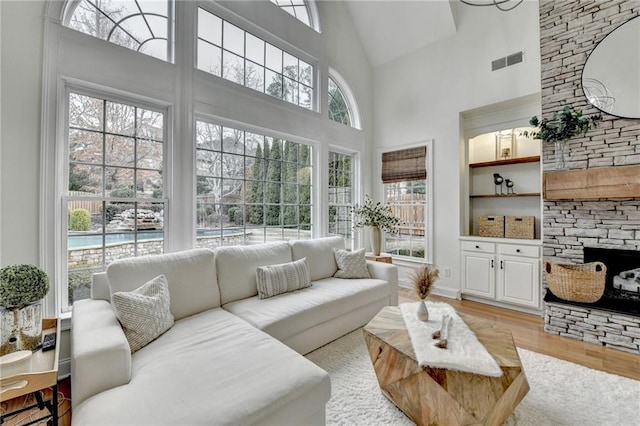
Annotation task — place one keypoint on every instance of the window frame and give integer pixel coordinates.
(428, 211)
(349, 98)
(312, 11)
(63, 163)
(267, 39)
(70, 7)
(264, 133)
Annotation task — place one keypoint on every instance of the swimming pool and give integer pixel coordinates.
(88, 240)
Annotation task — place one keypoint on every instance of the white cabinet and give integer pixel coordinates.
(506, 273)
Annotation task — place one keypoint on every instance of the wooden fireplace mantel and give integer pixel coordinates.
(589, 184)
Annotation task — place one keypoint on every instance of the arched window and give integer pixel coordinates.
(342, 107)
(303, 10)
(145, 27)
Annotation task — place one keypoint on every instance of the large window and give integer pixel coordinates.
(250, 188)
(115, 199)
(143, 26)
(407, 192)
(341, 196)
(230, 52)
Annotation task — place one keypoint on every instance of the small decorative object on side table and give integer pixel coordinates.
(42, 374)
(423, 280)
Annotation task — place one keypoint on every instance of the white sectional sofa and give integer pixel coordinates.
(230, 357)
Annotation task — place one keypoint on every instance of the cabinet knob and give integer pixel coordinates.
(477, 247)
(517, 250)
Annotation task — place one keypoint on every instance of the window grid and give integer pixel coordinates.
(114, 203)
(408, 201)
(250, 188)
(340, 186)
(296, 8)
(339, 110)
(145, 28)
(294, 86)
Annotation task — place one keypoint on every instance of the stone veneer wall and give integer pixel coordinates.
(569, 31)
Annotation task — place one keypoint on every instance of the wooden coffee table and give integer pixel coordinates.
(437, 396)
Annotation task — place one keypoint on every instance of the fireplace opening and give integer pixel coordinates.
(622, 282)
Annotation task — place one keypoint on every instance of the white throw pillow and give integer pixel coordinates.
(282, 278)
(145, 312)
(351, 264)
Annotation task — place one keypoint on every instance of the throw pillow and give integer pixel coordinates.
(351, 264)
(282, 278)
(144, 312)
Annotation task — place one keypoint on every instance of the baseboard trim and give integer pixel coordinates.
(64, 368)
(451, 293)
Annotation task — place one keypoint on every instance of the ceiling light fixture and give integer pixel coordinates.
(503, 5)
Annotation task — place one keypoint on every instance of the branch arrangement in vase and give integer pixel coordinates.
(375, 214)
(563, 125)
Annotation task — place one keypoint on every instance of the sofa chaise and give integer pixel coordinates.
(230, 357)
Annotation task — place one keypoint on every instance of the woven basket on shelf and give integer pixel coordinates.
(491, 226)
(576, 283)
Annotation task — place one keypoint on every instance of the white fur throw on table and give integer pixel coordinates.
(464, 352)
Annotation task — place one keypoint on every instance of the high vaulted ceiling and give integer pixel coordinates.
(390, 29)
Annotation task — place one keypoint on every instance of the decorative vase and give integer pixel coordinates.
(422, 313)
(376, 240)
(21, 328)
(561, 152)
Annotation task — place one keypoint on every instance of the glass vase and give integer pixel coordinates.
(561, 154)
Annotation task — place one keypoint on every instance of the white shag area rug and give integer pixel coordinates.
(562, 393)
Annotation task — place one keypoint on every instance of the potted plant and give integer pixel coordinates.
(562, 126)
(22, 288)
(379, 217)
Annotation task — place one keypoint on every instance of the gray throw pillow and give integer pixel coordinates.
(282, 278)
(144, 312)
(351, 264)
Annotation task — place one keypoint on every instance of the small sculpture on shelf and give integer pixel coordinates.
(509, 184)
(498, 180)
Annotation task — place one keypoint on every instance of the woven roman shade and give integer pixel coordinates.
(405, 164)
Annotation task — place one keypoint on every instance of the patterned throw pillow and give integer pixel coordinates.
(351, 264)
(144, 312)
(282, 278)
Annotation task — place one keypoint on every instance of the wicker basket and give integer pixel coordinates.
(520, 227)
(491, 226)
(576, 283)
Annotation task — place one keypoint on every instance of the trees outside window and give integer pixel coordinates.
(115, 200)
(250, 188)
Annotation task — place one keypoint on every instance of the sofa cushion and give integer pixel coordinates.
(351, 264)
(236, 267)
(144, 312)
(291, 313)
(212, 368)
(282, 278)
(319, 251)
(191, 276)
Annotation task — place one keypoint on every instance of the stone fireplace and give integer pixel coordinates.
(596, 203)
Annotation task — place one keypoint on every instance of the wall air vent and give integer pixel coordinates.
(507, 61)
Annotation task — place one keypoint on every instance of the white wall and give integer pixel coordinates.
(21, 71)
(420, 96)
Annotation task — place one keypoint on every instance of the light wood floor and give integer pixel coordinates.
(528, 333)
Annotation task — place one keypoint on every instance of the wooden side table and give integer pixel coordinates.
(43, 374)
(383, 257)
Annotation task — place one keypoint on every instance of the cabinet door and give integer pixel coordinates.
(519, 280)
(479, 274)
